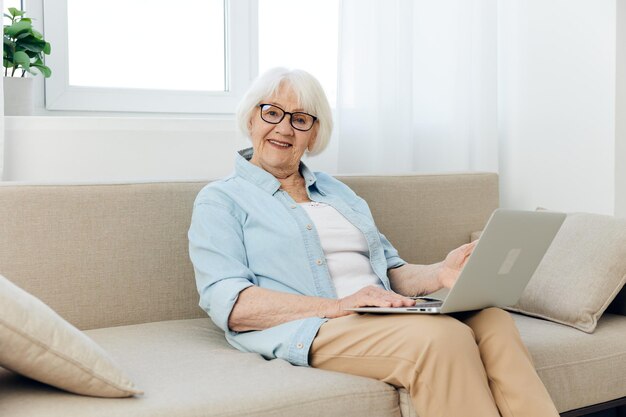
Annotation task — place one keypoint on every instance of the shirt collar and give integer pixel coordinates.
(262, 178)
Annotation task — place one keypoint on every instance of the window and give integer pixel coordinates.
(198, 56)
(148, 55)
(173, 48)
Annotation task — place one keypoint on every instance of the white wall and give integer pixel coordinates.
(61, 149)
(557, 104)
(620, 113)
(100, 149)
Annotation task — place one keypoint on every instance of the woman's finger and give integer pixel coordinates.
(378, 297)
(389, 295)
(377, 302)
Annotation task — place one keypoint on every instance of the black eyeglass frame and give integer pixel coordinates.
(284, 114)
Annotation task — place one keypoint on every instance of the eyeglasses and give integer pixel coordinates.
(298, 120)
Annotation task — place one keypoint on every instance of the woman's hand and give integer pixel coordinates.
(452, 266)
(369, 296)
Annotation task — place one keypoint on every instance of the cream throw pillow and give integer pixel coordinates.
(581, 273)
(36, 342)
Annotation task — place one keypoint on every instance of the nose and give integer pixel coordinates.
(284, 127)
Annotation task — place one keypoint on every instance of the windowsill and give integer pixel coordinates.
(43, 112)
(120, 121)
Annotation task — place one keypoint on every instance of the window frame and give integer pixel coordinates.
(241, 63)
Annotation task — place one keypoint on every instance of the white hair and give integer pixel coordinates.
(311, 98)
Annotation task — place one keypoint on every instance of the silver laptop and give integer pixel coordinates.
(505, 258)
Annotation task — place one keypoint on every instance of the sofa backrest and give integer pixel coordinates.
(101, 255)
(426, 216)
(115, 254)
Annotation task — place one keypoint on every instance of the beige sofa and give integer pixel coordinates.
(112, 260)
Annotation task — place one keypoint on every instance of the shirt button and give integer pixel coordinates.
(299, 345)
(309, 226)
(293, 206)
(319, 262)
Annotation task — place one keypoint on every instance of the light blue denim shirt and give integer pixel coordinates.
(246, 231)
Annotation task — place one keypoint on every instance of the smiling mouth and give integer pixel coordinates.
(280, 144)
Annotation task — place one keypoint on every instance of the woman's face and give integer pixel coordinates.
(279, 147)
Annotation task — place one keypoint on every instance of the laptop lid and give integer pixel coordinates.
(506, 257)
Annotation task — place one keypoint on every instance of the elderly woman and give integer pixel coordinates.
(280, 252)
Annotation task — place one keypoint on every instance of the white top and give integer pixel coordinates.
(345, 248)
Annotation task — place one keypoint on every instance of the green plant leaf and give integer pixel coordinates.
(47, 48)
(17, 28)
(32, 44)
(16, 12)
(45, 71)
(21, 58)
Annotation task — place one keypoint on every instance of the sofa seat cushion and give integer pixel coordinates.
(187, 368)
(578, 369)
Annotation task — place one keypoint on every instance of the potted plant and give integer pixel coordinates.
(24, 50)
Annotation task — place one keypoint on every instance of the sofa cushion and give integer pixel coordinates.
(187, 368)
(581, 273)
(38, 343)
(577, 368)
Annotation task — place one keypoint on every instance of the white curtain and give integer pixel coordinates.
(417, 86)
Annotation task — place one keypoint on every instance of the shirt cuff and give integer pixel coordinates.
(395, 262)
(223, 296)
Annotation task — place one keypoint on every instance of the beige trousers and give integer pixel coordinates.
(470, 365)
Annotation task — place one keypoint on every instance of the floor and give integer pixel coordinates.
(605, 413)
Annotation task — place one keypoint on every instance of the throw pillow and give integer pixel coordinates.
(37, 343)
(580, 274)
